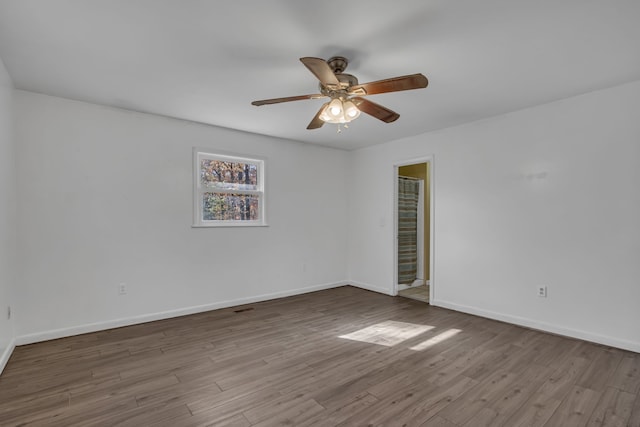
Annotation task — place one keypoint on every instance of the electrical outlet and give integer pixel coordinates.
(542, 291)
(122, 289)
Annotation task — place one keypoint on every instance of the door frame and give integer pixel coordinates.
(396, 166)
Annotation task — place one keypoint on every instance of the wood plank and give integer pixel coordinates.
(613, 409)
(293, 414)
(560, 383)
(627, 376)
(514, 396)
(576, 409)
(84, 413)
(535, 412)
(430, 403)
(333, 417)
(438, 422)
(634, 420)
(598, 375)
(469, 404)
(399, 402)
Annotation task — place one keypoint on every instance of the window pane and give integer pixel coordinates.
(228, 175)
(229, 207)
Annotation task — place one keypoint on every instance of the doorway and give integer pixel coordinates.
(413, 230)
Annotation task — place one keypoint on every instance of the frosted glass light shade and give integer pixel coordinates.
(350, 110)
(339, 111)
(335, 108)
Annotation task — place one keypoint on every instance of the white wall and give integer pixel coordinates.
(547, 195)
(7, 213)
(105, 196)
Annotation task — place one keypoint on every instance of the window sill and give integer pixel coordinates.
(231, 224)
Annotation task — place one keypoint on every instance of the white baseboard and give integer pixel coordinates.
(542, 326)
(117, 323)
(370, 287)
(6, 354)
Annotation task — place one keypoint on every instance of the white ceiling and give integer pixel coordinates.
(206, 61)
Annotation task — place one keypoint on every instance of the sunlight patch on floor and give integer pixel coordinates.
(435, 340)
(387, 333)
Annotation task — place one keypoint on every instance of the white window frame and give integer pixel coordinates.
(199, 190)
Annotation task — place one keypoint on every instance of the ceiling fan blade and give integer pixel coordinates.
(322, 71)
(375, 110)
(394, 84)
(287, 99)
(316, 122)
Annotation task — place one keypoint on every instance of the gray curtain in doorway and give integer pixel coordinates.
(408, 193)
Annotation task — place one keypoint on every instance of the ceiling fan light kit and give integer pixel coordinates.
(345, 93)
(339, 111)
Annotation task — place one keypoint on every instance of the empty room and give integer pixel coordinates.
(297, 213)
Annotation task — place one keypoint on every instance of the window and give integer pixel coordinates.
(229, 190)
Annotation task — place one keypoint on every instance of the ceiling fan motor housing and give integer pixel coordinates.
(338, 64)
(346, 81)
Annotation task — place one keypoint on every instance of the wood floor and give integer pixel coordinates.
(342, 357)
(420, 293)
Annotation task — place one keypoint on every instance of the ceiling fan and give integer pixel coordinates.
(346, 94)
